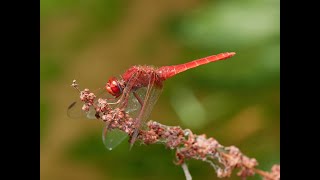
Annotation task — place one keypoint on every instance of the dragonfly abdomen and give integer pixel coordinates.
(166, 72)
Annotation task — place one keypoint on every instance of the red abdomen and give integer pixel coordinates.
(166, 72)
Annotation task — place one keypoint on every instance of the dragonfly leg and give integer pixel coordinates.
(113, 98)
(124, 103)
(138, 98)
(113, 102)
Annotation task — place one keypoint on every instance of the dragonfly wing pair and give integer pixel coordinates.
(149, 95)
(138, 103)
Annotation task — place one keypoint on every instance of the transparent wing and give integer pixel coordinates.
(112, 137)
(131, 100)
(75, 111)
(127, 91)
(133, 106)
(150, 96)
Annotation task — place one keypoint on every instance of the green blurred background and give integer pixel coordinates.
(236, 101)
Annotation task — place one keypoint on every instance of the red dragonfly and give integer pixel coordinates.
(142, 85)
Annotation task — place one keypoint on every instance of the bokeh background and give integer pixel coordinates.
(236, 101)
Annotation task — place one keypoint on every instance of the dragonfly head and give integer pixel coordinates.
(113, 87)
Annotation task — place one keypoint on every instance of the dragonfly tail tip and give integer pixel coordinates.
(232, 53)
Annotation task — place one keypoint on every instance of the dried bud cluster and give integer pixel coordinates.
(187, 145)
(275, 173)
(87, 98)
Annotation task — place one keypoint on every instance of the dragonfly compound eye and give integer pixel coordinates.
(113, 87)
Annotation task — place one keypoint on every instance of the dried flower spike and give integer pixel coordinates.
(187, 145)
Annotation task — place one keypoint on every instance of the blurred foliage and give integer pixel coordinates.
(43, 116)
(90, 17)
(235, 101)
(50, 69)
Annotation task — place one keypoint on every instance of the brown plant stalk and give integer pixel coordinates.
(187, 145)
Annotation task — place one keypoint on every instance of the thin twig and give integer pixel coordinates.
(186, 171)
